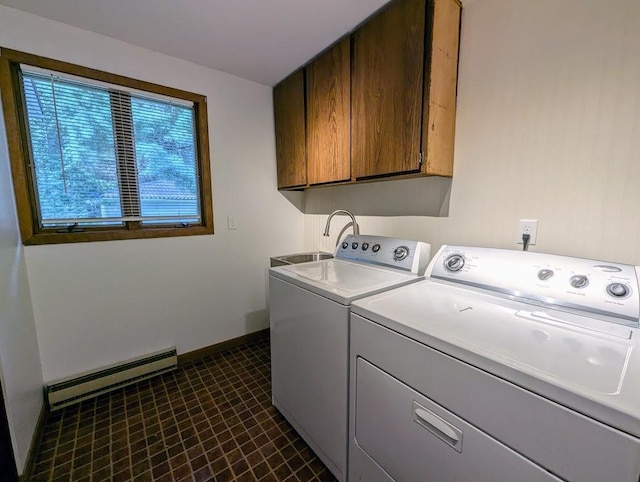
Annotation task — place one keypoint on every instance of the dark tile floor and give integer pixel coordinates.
(210, 420)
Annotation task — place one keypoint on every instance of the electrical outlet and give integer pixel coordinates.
(530, 227)
(232, 222)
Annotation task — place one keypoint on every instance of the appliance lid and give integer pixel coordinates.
(343, 281)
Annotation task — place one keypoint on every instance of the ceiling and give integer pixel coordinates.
(259, 40)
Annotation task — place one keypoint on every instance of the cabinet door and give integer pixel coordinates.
(387, 91)
(328, 116)
(439, 119)
(288, 107)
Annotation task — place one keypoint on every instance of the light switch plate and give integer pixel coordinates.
(232, 222)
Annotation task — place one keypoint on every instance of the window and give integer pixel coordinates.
(96, 156)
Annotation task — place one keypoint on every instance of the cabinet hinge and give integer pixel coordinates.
(420, 160)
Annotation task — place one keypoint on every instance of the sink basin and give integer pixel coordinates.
(299, 258)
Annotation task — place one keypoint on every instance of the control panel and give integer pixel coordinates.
(609, 289)
(392, 252)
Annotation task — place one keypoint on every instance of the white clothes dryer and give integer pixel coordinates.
(501, 366)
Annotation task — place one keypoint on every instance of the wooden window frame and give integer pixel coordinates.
(26, 198)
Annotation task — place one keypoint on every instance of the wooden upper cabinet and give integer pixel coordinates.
(289, 117)
(328, 115)
(379, 104)
(387, 91)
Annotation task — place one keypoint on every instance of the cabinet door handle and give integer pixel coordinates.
(437, 426)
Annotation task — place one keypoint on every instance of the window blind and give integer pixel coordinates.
(106, 155)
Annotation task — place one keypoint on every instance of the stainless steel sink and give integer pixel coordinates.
(299, 258)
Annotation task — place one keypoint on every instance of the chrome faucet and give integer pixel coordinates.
(356, 229)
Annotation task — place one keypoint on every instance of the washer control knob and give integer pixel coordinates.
(617, 290)
(376, 248)
(365, 246)
(400, 253)
(545, 274)
(345, 245)
(579, 281)
(455, 262)
(354, 245)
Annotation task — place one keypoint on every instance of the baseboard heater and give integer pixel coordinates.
(74, 389)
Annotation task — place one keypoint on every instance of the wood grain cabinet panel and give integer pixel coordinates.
(387, 91)
(439, 110)
(289, 118)
(404, 77)
(328, 115)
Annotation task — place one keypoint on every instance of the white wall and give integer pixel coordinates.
(100, 303)
(548, 127)
(20, 371)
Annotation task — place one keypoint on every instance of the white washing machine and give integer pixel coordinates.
(501, 366)
(309, 310)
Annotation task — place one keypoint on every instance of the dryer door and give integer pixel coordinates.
(410, 437)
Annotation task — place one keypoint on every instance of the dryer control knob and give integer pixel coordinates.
(545, 274)
(617, 290)
(376, 248)
(365, 246)
(455, 262)
(345, 245)
(579, 281)
(400, 253)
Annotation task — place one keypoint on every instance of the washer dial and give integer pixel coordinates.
(354, 245)
(453, 263)
(365, 246)
(545, 274)
(579, 281)
(345, 245)
(376, 248)
(617, 290)
(400, 253)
